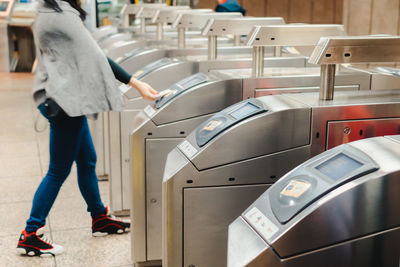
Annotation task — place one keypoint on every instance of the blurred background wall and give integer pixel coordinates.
(359, 16)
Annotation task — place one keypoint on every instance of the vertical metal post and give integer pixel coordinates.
(142, 25)
(181, 37)
(160, 31)
(236, 40)
(327, 81)
(212, 47)
(277, 51)
(258, 61)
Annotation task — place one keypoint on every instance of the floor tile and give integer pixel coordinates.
(19, 149)
(19, 189)
(14, 222)
(81, 249)
(9, 257)
(69, 213)
(21, 166)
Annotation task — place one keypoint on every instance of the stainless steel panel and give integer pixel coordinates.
(115, 161)
(179, 174)
(199, 20)
(169, 16)
(207, 214)
(135, 63)
(342, 132)
(105, 44)
(292, 34)
(244, 244)
(356, 49)
(156, 155)
(282, 114)
(5, 50)
(119, 49)
(169, 74)
(209, 98)
(237, 26)
(142, 127)
(357, 105)
(300, 89)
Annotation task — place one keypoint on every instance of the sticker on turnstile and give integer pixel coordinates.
(149, 111)
(188, 149)
(211, 125)
(138, 73)
(295, 188)
(124, 88)
(261, 223)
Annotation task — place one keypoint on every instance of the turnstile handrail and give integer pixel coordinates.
(199, 20)
(287, 35)
(351, 49)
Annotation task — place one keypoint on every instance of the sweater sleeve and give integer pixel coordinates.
(120, 74)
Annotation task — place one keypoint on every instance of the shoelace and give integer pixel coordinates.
(45, 239)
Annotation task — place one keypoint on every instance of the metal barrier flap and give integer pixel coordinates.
(169, 16)
(356, 49)
(237, 26)
(198, 21)
(292, 34)
(148, 11)
(166, 10)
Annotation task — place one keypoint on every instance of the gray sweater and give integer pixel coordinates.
(72, 69)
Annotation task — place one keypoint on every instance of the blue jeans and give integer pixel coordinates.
(70, 141)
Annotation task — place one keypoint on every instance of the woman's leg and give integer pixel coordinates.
(103, 223)
(87, 179)
(65, 139)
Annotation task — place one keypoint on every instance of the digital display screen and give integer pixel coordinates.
(244, 111)
(338, 166)
(4, 6)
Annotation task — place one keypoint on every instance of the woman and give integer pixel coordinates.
(229, 6)
(73, 80)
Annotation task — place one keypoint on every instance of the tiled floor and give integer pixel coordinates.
(23, 161)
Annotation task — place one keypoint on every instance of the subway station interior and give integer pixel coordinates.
(257, 133)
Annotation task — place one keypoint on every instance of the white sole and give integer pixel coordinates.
(23, 251)
(120, 231)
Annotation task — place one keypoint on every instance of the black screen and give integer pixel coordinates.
(338, 166)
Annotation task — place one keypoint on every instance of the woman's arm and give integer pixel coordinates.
(120, 74)
(145, 90)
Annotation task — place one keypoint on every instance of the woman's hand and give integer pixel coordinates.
(145, 90)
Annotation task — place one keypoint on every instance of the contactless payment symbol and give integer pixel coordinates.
(295, 188)
(212, 125)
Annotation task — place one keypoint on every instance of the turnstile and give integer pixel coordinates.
(339, 208)
(243, 149)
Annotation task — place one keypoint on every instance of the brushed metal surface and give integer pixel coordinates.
(244, 244)
(208, 98)
(170, 15)
(356, 224)
(199, 20)
(356, 49)
(208, 211)
(181, 173)
(282, 113)
(292, 34)
(237, 26)
(178, 171)
(342, 132)
(141, 157)
(105, 44)
(119, 49)
(156, 154)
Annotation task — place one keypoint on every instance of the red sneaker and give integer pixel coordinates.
(34, 244)
(106, 224)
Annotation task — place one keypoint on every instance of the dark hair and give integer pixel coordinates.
(74, 3)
